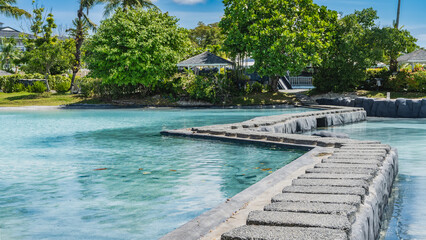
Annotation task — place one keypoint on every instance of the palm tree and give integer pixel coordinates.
(9, 53)
(393, 62)
(8, 10)
(397, 14)
(125, 5)
(82, 25)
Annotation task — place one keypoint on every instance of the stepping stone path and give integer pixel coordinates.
(317, 201)
(342, 197)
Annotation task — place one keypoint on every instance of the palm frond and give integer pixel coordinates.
(11, 11)
(90, 24)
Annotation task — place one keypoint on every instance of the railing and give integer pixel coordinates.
(300, 81)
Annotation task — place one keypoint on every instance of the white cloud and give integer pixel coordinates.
(189, 2)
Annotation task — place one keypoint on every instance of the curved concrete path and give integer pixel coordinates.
(341, 195)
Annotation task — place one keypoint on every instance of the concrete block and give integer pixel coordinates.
(323, 208)
(365, 177)
(343, 170)
(290, 219)
(254, 232)
(342, 165)
(318, 198)
(353, 161)
(321, 189)
(333, 183)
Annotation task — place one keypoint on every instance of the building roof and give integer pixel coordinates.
(4, 73)
(413, 57)
(204, 59)
(9, 32)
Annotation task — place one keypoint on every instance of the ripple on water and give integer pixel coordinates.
(111, 175)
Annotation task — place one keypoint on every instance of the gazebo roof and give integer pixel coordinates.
(413, 57)
(204, 59)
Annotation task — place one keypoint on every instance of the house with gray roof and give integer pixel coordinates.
(205, 60)
(8, 32)
(418, 56)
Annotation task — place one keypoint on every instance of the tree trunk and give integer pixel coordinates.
(393, 60)
(79, 39)
(46, 77)
(273, 83)
(72, 87)
(393, 66)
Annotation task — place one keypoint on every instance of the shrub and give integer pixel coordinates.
(19, 87)
(58, 82)
(89, 87)
(372, 74)
(38, 87)
(418, 67)
(419, 78)
(8, 85)
(247, 88)
(62, 87)
(215, 89)
(256, 87)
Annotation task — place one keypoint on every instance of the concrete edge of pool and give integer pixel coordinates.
(342, 196)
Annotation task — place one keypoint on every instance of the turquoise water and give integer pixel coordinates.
(409, 137)
(146, 184)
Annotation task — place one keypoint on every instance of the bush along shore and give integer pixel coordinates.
(182, 89)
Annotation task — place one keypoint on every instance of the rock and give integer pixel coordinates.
(324, 101)
(331, 134)
(359, 102)
(374, 108)
(422, 113)
(367, 104)
(391, 107)
(403, 109)
(381, 108)
(417, 105)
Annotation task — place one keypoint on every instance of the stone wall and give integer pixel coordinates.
(403, 108)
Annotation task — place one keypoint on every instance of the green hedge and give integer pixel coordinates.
(404, 80)
(214, 89)
(10, 83)
(91, 87)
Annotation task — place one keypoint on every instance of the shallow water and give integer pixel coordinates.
(146, 184)
(409, 137)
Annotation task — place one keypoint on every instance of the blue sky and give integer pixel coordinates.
(190, 12)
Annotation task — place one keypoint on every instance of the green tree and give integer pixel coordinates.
(204, 35)
(82, 25)
(235, 26)
(354, 48)
(125, 5)
(45, 50)
(7, 9)
(9, 53)
(280, 35)
(394, 42)
(137, 47)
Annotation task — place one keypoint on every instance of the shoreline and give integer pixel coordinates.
(112, 106)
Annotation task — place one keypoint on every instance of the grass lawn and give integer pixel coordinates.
(378, 94)
(53, 99)
(394, 95)
(43, 99)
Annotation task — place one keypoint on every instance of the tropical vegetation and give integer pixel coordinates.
(134, 51)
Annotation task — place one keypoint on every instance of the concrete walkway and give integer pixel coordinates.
(342, 196)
